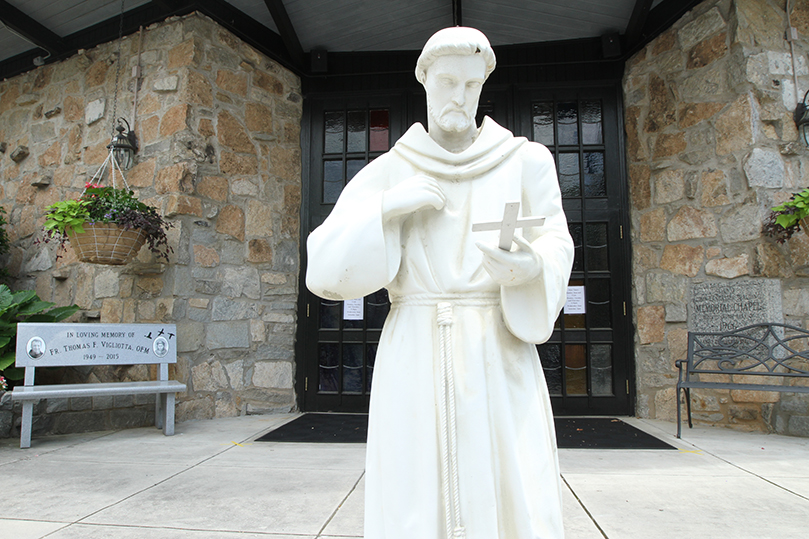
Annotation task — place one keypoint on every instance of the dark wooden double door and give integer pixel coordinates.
(588, 361)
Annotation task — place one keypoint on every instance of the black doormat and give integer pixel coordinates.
(603, 433)
(322, 429)
(585, 433)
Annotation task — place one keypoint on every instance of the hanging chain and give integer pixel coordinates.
(115, 96)
(118, 68)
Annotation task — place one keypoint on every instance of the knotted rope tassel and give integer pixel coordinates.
(449, 441)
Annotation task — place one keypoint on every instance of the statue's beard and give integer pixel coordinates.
(451, 118)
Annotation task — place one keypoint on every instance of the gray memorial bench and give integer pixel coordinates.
(774, 353)
(88, 345)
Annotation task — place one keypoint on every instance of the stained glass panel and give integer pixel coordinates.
(380, 131)
(328, 363)
(597, 255)
(591, 128)
(352, 368)
(595, 183)
(329, 314)
(543, 123)
(575, 369)
(334, 132)
(569, 175)
(601, 370)
(332, 181)
(567, 120)
(550, 356)
(357, 137)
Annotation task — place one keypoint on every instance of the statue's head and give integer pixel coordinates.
(453, 66)
(455, 41)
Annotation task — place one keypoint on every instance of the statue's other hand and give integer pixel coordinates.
(411, 195)
(511, 268)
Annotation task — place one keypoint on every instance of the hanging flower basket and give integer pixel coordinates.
(107, 225)
(107, 243)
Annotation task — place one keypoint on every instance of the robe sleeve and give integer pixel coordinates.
(353, 253)
(530, 310)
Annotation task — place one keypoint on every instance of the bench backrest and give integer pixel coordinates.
(758, 349)
(61, 345)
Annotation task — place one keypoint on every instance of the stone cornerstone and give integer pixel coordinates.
(711, 147)
(219, 129)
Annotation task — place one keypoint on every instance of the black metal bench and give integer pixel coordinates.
(735, 359)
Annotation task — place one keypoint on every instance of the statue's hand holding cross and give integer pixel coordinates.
(507, 267)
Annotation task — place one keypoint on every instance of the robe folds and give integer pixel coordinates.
(460, 438)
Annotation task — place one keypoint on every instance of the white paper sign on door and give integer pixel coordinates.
(354, 309)
(575, 300)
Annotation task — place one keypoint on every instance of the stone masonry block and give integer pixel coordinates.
(233, 334)
(765, 168)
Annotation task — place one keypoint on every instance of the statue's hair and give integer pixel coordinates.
(457, 40)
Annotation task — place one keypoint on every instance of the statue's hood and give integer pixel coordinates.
(493, 145)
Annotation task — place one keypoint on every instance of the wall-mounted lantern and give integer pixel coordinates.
(124, 146)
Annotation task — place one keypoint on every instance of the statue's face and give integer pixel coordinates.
(453, 88)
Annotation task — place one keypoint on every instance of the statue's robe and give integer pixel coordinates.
(506, 469)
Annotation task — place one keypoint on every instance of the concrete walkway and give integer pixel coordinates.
(211, 481)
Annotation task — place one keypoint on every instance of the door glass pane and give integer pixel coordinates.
(352, 167)
(591, 130)
(595, 184)
(328, 362)
(567, 118)
(597, 255)
(329, 314)
(601, 370)
(354, 324)
(377, 309)
(352, 368)
(551, 357)
(598, 303)
(333, 142)
(576, 232)
(369, 369)
(575, 369)
(543, 123)
(380, 131)
(332, 181)
(356, 131)
(569, 175)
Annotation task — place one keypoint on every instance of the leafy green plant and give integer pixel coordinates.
(107, 205)
(22, 306)
(64, 216)
(785, 220)
(4, 242)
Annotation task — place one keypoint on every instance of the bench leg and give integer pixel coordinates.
(27, 421)
(168, 418)
(158, 413)
(679, 423)
(688, 406)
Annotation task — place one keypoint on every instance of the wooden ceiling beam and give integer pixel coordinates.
(290, 38)
(457, 12)
(634, 30)
(31, 30)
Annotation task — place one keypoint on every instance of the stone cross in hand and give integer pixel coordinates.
(509, 223)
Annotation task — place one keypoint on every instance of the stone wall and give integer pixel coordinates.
(711, 147)
(219, 129)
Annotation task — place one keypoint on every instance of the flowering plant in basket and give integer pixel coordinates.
(99, 204)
